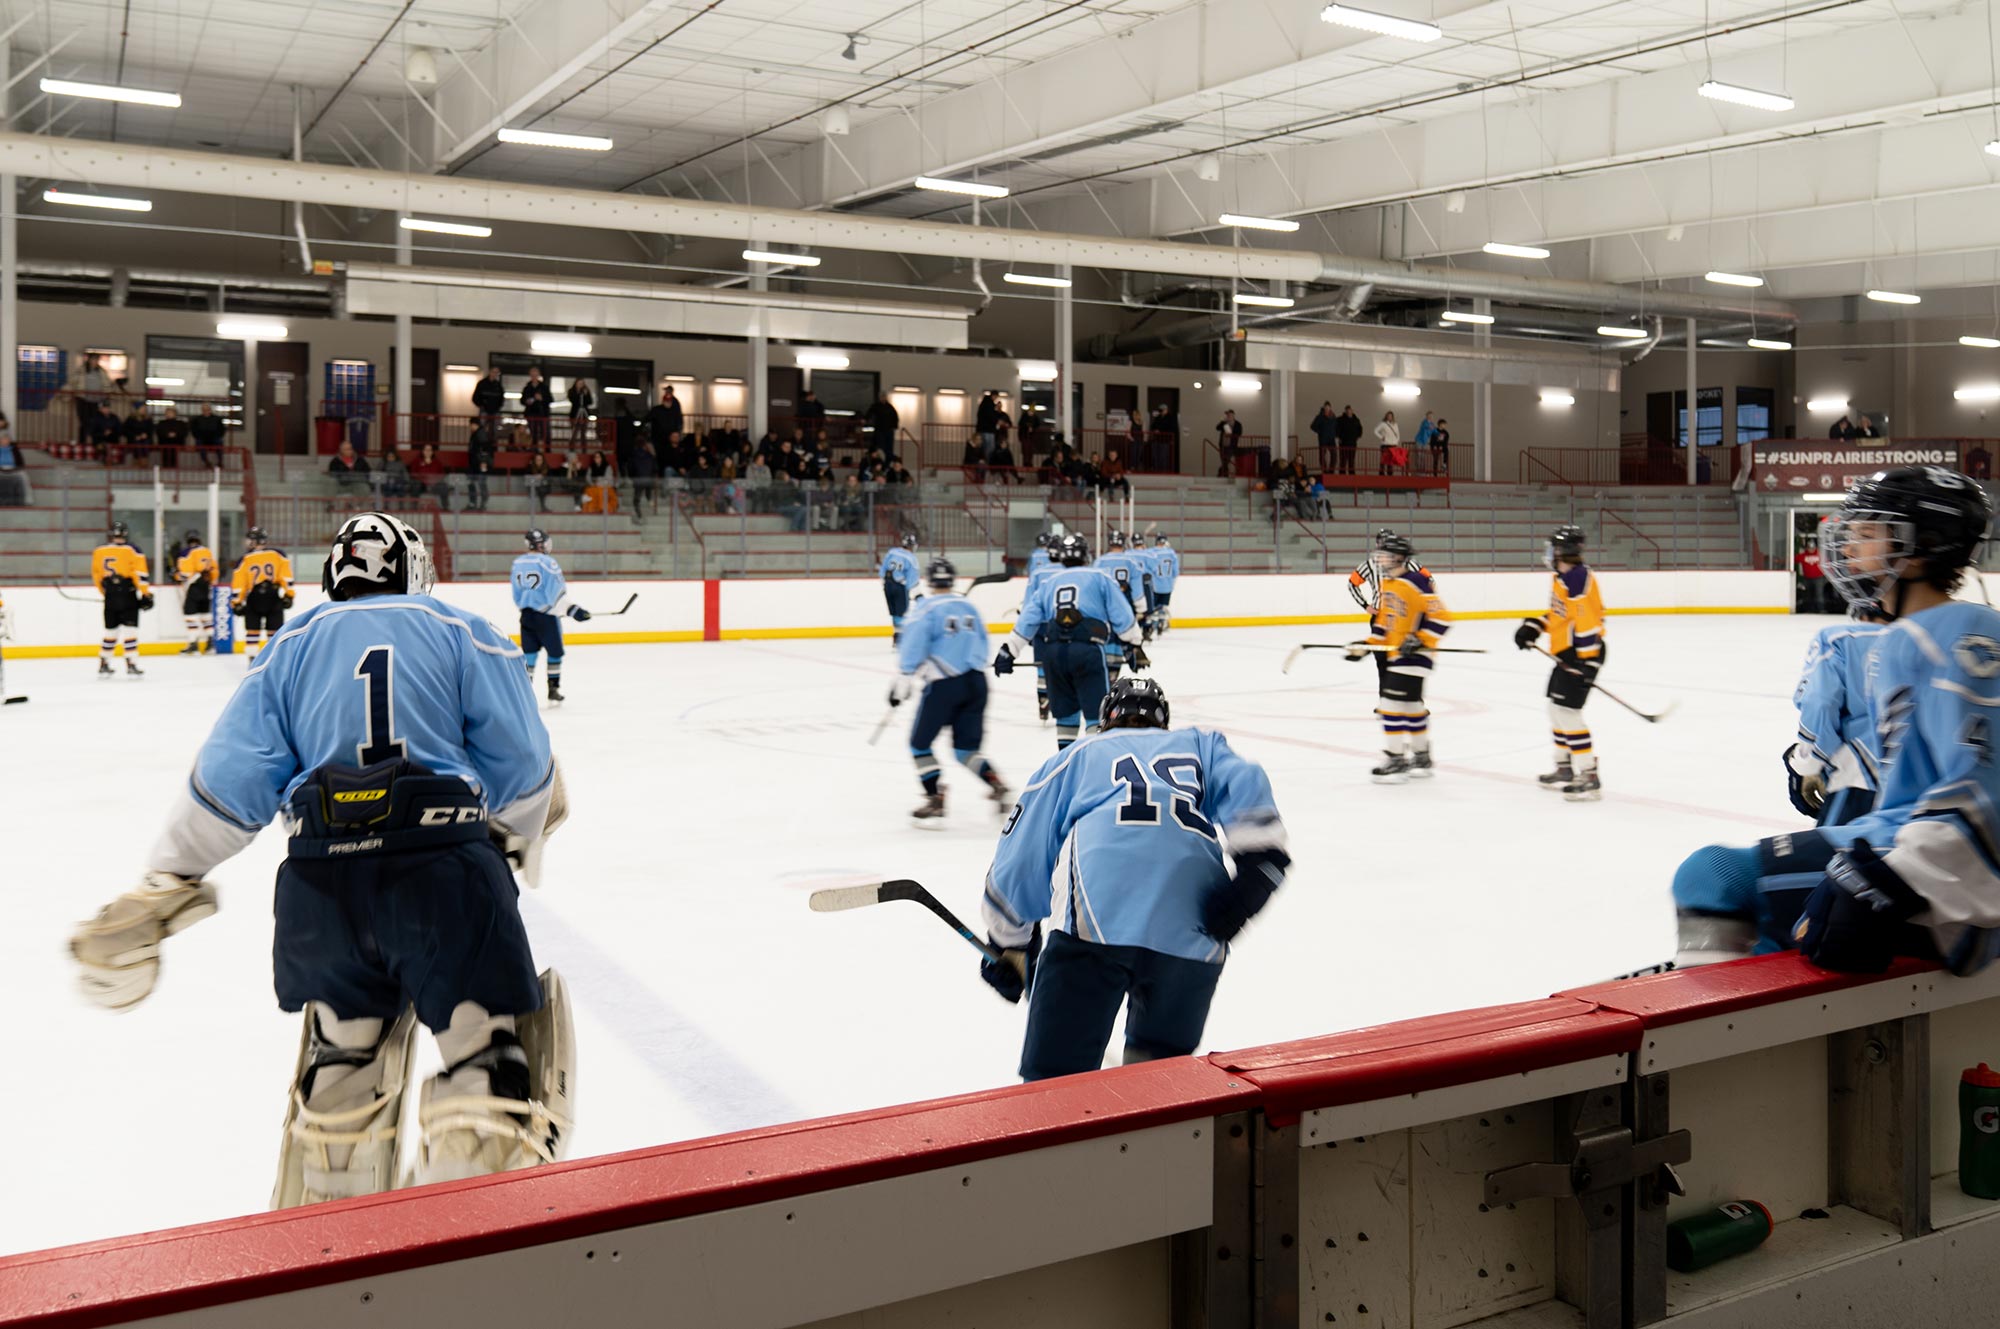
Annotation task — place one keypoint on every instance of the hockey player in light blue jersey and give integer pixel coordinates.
(400, 739)
(1125, 843)
(541, 595)
(1067, 622)
(1166, 575)
(900, 579)
(1133, 573)
(944, 650)
(1833, 769)
(1039, 557)
(1041, 566)
(1920, 874)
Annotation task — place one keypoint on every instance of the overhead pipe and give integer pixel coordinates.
(106, 272)
(180, 171)
(1207, 327)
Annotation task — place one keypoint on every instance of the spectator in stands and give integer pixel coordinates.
(1090, 474)
(1842, 429)
(883, 421)
(137, 434)
(757, 481)
(582, 403)
(537, 480)
(207, 430)
(427, 477)
(811, 417)
(767, 447)
(573, 479)
(1979, 462)
(984, 421)
(1322, 502)
(1003, 460)
(1440, 449)
(1325, 427)
(1111, 474)
(667, 421)
(853, 505)
(1425, 428)
(536, 399)
(91, 389)
(172, 435)
(13, 486)
(1347, 431)
(898, 474)
(1390, 439)
(644, 469)
(1865, 426)
(479, 453)
(489, 398)
(600, 468)
(392, 478)
(1228, 441)
(348, 469)
(1704, 469)
(820, 464)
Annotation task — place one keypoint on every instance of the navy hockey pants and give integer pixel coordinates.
(541, 632)
(957, 704)
(370, 934)
(898, 597)
(1078, 679)
(1078, 988)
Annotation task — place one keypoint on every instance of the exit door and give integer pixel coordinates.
(283, 408)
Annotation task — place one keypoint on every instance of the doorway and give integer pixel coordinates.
(785, 386)
(282, 409)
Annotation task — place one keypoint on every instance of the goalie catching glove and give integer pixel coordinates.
(118, 952)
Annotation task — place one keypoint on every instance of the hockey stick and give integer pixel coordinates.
(80, 599)
(6, 700)
(613, 613)
(837, 898)
(990, 579)
(1292, 656)
(1655, 718)
(880, 725)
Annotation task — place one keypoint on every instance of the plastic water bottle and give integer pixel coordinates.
(1731, 1228)
(1979, 1132)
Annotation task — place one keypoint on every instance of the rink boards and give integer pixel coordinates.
(49, 623)
(1502, 1166)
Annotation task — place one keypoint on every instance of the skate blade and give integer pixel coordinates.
(1390, 779)
(1424, 774)
(928, 823)
(1583, 796)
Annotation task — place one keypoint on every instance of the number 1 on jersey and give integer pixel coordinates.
(377, 673)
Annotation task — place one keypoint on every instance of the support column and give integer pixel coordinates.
(1281, 409)
(10, 271)
(401, 372)
(1694, 431)
(1066, 362)
(760, 362)
(1482, 399)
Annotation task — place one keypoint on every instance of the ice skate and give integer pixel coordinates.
(1002, 796)
(1583, 789)
(1559, 778)
(103, 668)
(192, 648)
(1394, 770)
(555, 693)
(132, 669)
(930, 813)
(1420, 766)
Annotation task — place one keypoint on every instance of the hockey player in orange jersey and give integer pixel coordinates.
(1575, 624)
(1407, 621)
(119, 571)
(263, 591)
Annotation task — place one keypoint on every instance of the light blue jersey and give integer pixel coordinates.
(1085, 594)
(1935, 700)
(1115, 840)
(1130, 571)
(900, 566)
(1035, 579)
(539, 584)
(1038, 560)
(356, 682)
(943, 637)
(1166, 568)
(1836, 732)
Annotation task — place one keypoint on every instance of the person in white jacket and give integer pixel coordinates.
(1388, 436)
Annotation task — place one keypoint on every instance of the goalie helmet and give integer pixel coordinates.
(256, 538)
(941, 575)
(377, 554)
(538, 540)
(1073, 551)
(1926, 513)
(1134, 703)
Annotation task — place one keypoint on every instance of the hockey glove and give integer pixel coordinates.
(1358, 650)
(899, 691)
(1411, 646)
(579, 613)
(1807, 788)
(1011, 974)
(1136, 657)
(118, 952)
(146, 600)
(289, 597)
(1851, 920)
(1003, 661)
(1231, 904)
(1525, 635)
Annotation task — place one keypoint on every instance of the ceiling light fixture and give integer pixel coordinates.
(1827, 404)
(470, 369)
(109, 92)
(1040, 371)
(611, 391)
(111, 201)
(1462, 316)
(540, 138)
(1401, 391)
(1265, 301)
(1984, 392)
(1256, 223)
(1895, 297)
(1032, 279)
(1557, 397)
(972, 187)
(1387, 25)
(1240, 383)
(559, 343)
(821, 360)
(790, 260)
(444, 227)
(1769, 344)
(1984, 343)
(1741, 96)
(1732, 279)
(1514, 251)
(250, 329)
(1619, 330)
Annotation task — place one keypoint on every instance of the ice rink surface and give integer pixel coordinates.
(714, 786)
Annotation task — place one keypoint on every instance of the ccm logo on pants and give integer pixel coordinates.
(446, 816)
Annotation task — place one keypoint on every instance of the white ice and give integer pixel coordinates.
(714, 786)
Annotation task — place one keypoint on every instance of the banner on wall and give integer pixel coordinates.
(1804, 467)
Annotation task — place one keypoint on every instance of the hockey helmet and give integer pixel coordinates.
(256, 538)
(377, 554)
(1160, 540)
(193, 539)
(941, 575)
(1073, 551)
(1565, 545)
(1115, 540)
(1044, 540)
(538, 540)
(909, 539)
(120, 531)
(1134, 703)
(1392, 551)
(1928, 513)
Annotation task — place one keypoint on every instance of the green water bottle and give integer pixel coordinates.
(1979, 1132)
(1731, 1228)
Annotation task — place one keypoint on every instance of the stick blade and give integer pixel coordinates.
(15, 701)
(1663, 712)
(836, 898)
(1292, 657)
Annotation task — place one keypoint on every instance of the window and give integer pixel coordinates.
(39, 375)
(846, 391)
(191, 370)
(1753, 414)
(1708, 417)
(350, 388)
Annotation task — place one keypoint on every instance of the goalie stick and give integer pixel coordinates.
(1662, 714)
(837, 898)
(1292, 656)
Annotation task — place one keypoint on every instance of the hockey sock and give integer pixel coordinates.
(1586, 760)
(252, 639)
(975, 762)
(927, 770)
(1066, 729)
(192, 622)
(555, 670)
(208, 631)
(105, 647)
(1420, 732)
(529, 660)
(131, 645)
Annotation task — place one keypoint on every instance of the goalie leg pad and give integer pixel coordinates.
(347, 1099)
(505, 1098)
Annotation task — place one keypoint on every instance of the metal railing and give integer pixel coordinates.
(1626, 465)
